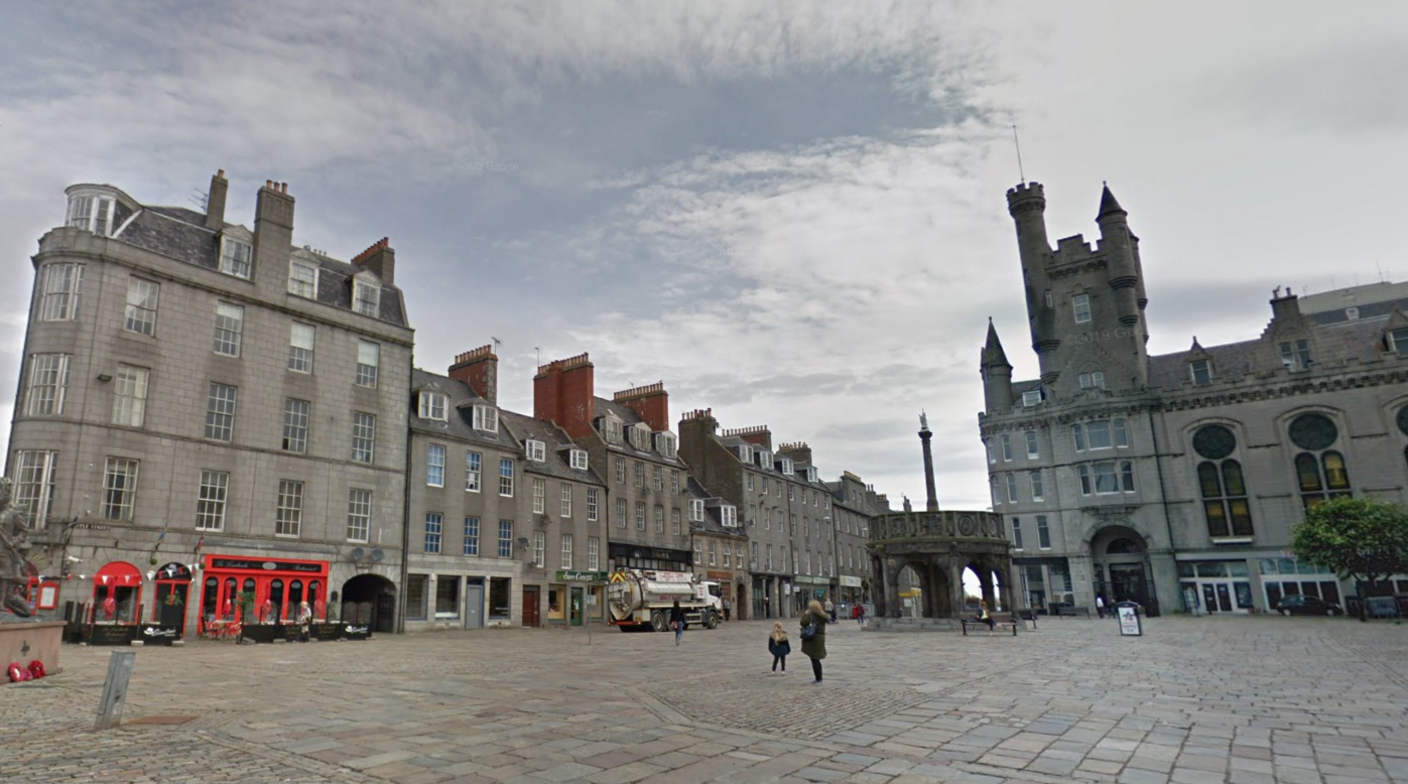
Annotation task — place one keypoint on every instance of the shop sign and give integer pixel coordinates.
(714, 574)
(850, 581)
(811, 580)
(325, 632)
(258, 565)
(156, 634)
(579, 576)
(356, 631)
(110, 634)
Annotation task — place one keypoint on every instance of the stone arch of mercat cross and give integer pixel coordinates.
(937, 547)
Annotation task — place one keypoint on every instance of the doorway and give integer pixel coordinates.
(531, 595)
(1127, 583)
(371, 599)
(473, 604)
(574, 609)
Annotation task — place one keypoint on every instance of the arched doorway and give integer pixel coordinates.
(1121, 560)
(370, 600)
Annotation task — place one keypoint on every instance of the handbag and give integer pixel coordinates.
(809, 632)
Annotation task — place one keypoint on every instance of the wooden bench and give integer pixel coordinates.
(1069, 611)
(999, 620)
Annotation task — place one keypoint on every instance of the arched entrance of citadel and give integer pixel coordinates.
(1120, 558)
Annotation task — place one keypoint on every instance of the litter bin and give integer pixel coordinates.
(1128, 615)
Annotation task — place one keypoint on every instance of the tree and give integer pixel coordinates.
(1357, 538)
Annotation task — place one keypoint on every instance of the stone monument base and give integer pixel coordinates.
(42, 638)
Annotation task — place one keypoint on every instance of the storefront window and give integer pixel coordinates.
(499, 598)
(415, 596)
(295, 596)
(274, 605)
(116, 593)
(556, 596)
(447, 596)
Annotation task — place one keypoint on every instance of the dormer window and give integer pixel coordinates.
(432, 406)
(91, 213)
(745, 453)
(811, 473)
(1201, 371)
(728, 515)
(1295, 355)
(366, 298)
(1092, 380)
(665, 444)
(1031, 398)
(537, 450)
(696, 510)
(579, 459)
(765, 459)
(1398, 341)
(611, 430)
(486, 419)
(236, 257)
(787, 466)
(303, 279)
(640, 437)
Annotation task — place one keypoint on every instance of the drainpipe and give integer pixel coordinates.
(1163, 494)
(406, 507)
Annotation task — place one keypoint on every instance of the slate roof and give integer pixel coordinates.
(558, 454)
(629, 418)
(713, 517)
(181, 234)
(460, 414)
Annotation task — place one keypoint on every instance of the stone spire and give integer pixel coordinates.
(993, 355)
(1108, 204)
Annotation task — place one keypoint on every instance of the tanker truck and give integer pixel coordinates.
(641, 599)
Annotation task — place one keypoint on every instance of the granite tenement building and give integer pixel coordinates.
(203, 401)
(1175, 480)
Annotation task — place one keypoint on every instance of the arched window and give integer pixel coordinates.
(1320, 471)
(1221, 483)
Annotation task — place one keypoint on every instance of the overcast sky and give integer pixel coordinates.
(791, 213)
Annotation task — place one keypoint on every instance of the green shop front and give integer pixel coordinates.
(576, 597)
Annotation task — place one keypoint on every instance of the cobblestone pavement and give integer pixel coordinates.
(1245, 701)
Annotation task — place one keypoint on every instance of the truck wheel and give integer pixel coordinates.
(712, 622)
(657, 621)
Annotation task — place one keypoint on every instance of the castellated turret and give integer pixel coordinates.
(1085, 305)
(1027, 205)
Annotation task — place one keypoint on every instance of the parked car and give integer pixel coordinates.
(1301, 604)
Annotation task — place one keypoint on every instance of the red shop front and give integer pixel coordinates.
(276, 585)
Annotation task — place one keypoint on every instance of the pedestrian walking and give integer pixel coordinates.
(305, 621)
(831, 610)
(779, 647)
(859, 613)
(814, 636)
(677, 621)
(1100, 605)
(727, 608)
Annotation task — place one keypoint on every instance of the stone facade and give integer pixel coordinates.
(1175, 480)
(630, 446)
(198, 394)
(854, 504)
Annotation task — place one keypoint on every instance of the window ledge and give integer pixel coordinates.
(1232, 539)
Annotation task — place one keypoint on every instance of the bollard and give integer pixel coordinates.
(115, 689)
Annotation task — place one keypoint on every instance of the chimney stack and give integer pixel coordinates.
(215, 202)
(799, 453)
(650, 402)
(757, 435)
(273, 228)
(564, 393)
(479, 369)
(380, 259)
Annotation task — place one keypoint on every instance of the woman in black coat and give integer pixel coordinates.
(677, 621)
(815, 648)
